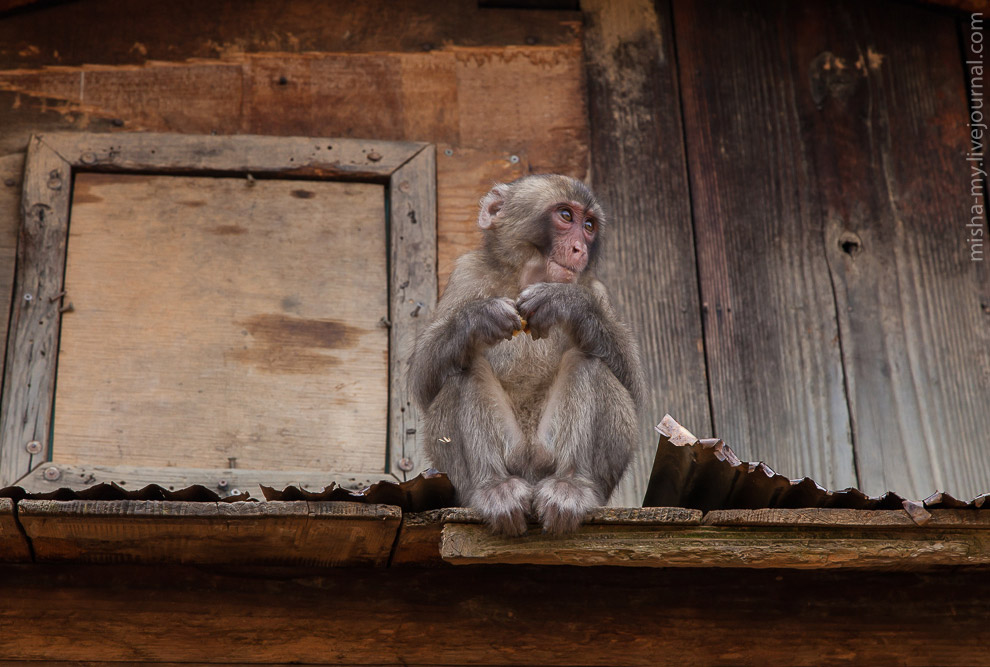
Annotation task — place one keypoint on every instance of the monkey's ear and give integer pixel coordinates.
(491, 204)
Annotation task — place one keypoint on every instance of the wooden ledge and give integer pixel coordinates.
(770, 538)
(154, 531)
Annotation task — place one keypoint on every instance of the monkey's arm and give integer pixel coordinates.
(449, 343)
(592, 323)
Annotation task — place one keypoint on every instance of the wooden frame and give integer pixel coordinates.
(407, 168)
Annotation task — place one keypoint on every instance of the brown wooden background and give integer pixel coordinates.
(787, 182)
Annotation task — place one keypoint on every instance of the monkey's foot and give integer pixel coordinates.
(504, 505)
(561, 503)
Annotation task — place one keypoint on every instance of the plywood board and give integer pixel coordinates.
(220, 319)
(241, 533)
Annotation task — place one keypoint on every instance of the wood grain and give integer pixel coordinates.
(817, 547)
(912, 306)
(412, 299)
(421, 534)
(521, 127)
(218, 319)
(772, 344)
(151, 531)
(13, 544)
(32, 341)
(11, 173)
(493, 615)
(638, 168)
(869, 519)
(136, 31)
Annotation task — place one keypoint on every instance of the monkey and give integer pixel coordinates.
(541, 423)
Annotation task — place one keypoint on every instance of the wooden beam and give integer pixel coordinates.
(412, 299)
(239, 533)
(32, 347)
(257, 155)
(798, 539)
(493, 615)
(11, 173)
(13, 544)
(638, 168)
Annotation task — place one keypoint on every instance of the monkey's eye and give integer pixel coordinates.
(565, 214)
(589, 225)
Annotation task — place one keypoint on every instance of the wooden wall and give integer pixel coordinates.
(787, 180)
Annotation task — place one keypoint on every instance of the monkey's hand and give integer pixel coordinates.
(492, 320)
(545, 305)
(561, 503)
(504, 505)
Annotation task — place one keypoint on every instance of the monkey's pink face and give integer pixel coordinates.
(574, 229)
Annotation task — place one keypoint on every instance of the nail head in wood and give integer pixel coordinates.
(33, 447)
(405, 464)
(52, 474)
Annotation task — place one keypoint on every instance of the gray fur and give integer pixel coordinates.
(540, 424)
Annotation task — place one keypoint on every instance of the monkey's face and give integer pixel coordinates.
(574, 230)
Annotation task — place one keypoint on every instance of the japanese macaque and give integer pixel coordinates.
(528, 381)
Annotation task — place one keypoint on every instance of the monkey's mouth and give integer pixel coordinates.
(559, 273)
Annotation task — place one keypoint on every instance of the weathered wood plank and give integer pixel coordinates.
(638, 168)
(151, 531)
(493, 615)
(912, 306)
(225, 481)
(430, 96)
(286, 156)
(11, 173)
(773, 352)
(13, 544)
(420, 536)
(817, 547)
(412, 298)
(32, 345)
(136, 31)
(879, 519)
(241, 318)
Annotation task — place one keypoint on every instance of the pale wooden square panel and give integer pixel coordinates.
(219, 318)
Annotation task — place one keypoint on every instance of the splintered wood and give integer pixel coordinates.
(221, 321)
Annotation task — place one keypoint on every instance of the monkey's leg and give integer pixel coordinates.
(589, 426)
(473, 411)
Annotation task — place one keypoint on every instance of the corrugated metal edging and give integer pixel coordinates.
(707, 475)
(427, 491)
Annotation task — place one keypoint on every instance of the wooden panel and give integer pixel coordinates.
(13, 544)
(650, 261)
(773, 350)
(32, 341)
(152, 531)
(136, 31)
(889, 141)
(494, 615)
(814, 547)
(430, 96)
(218, 319)
(11, 171)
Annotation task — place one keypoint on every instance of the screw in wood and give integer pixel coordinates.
(33, 447)
(52, 473)
(405, 464)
